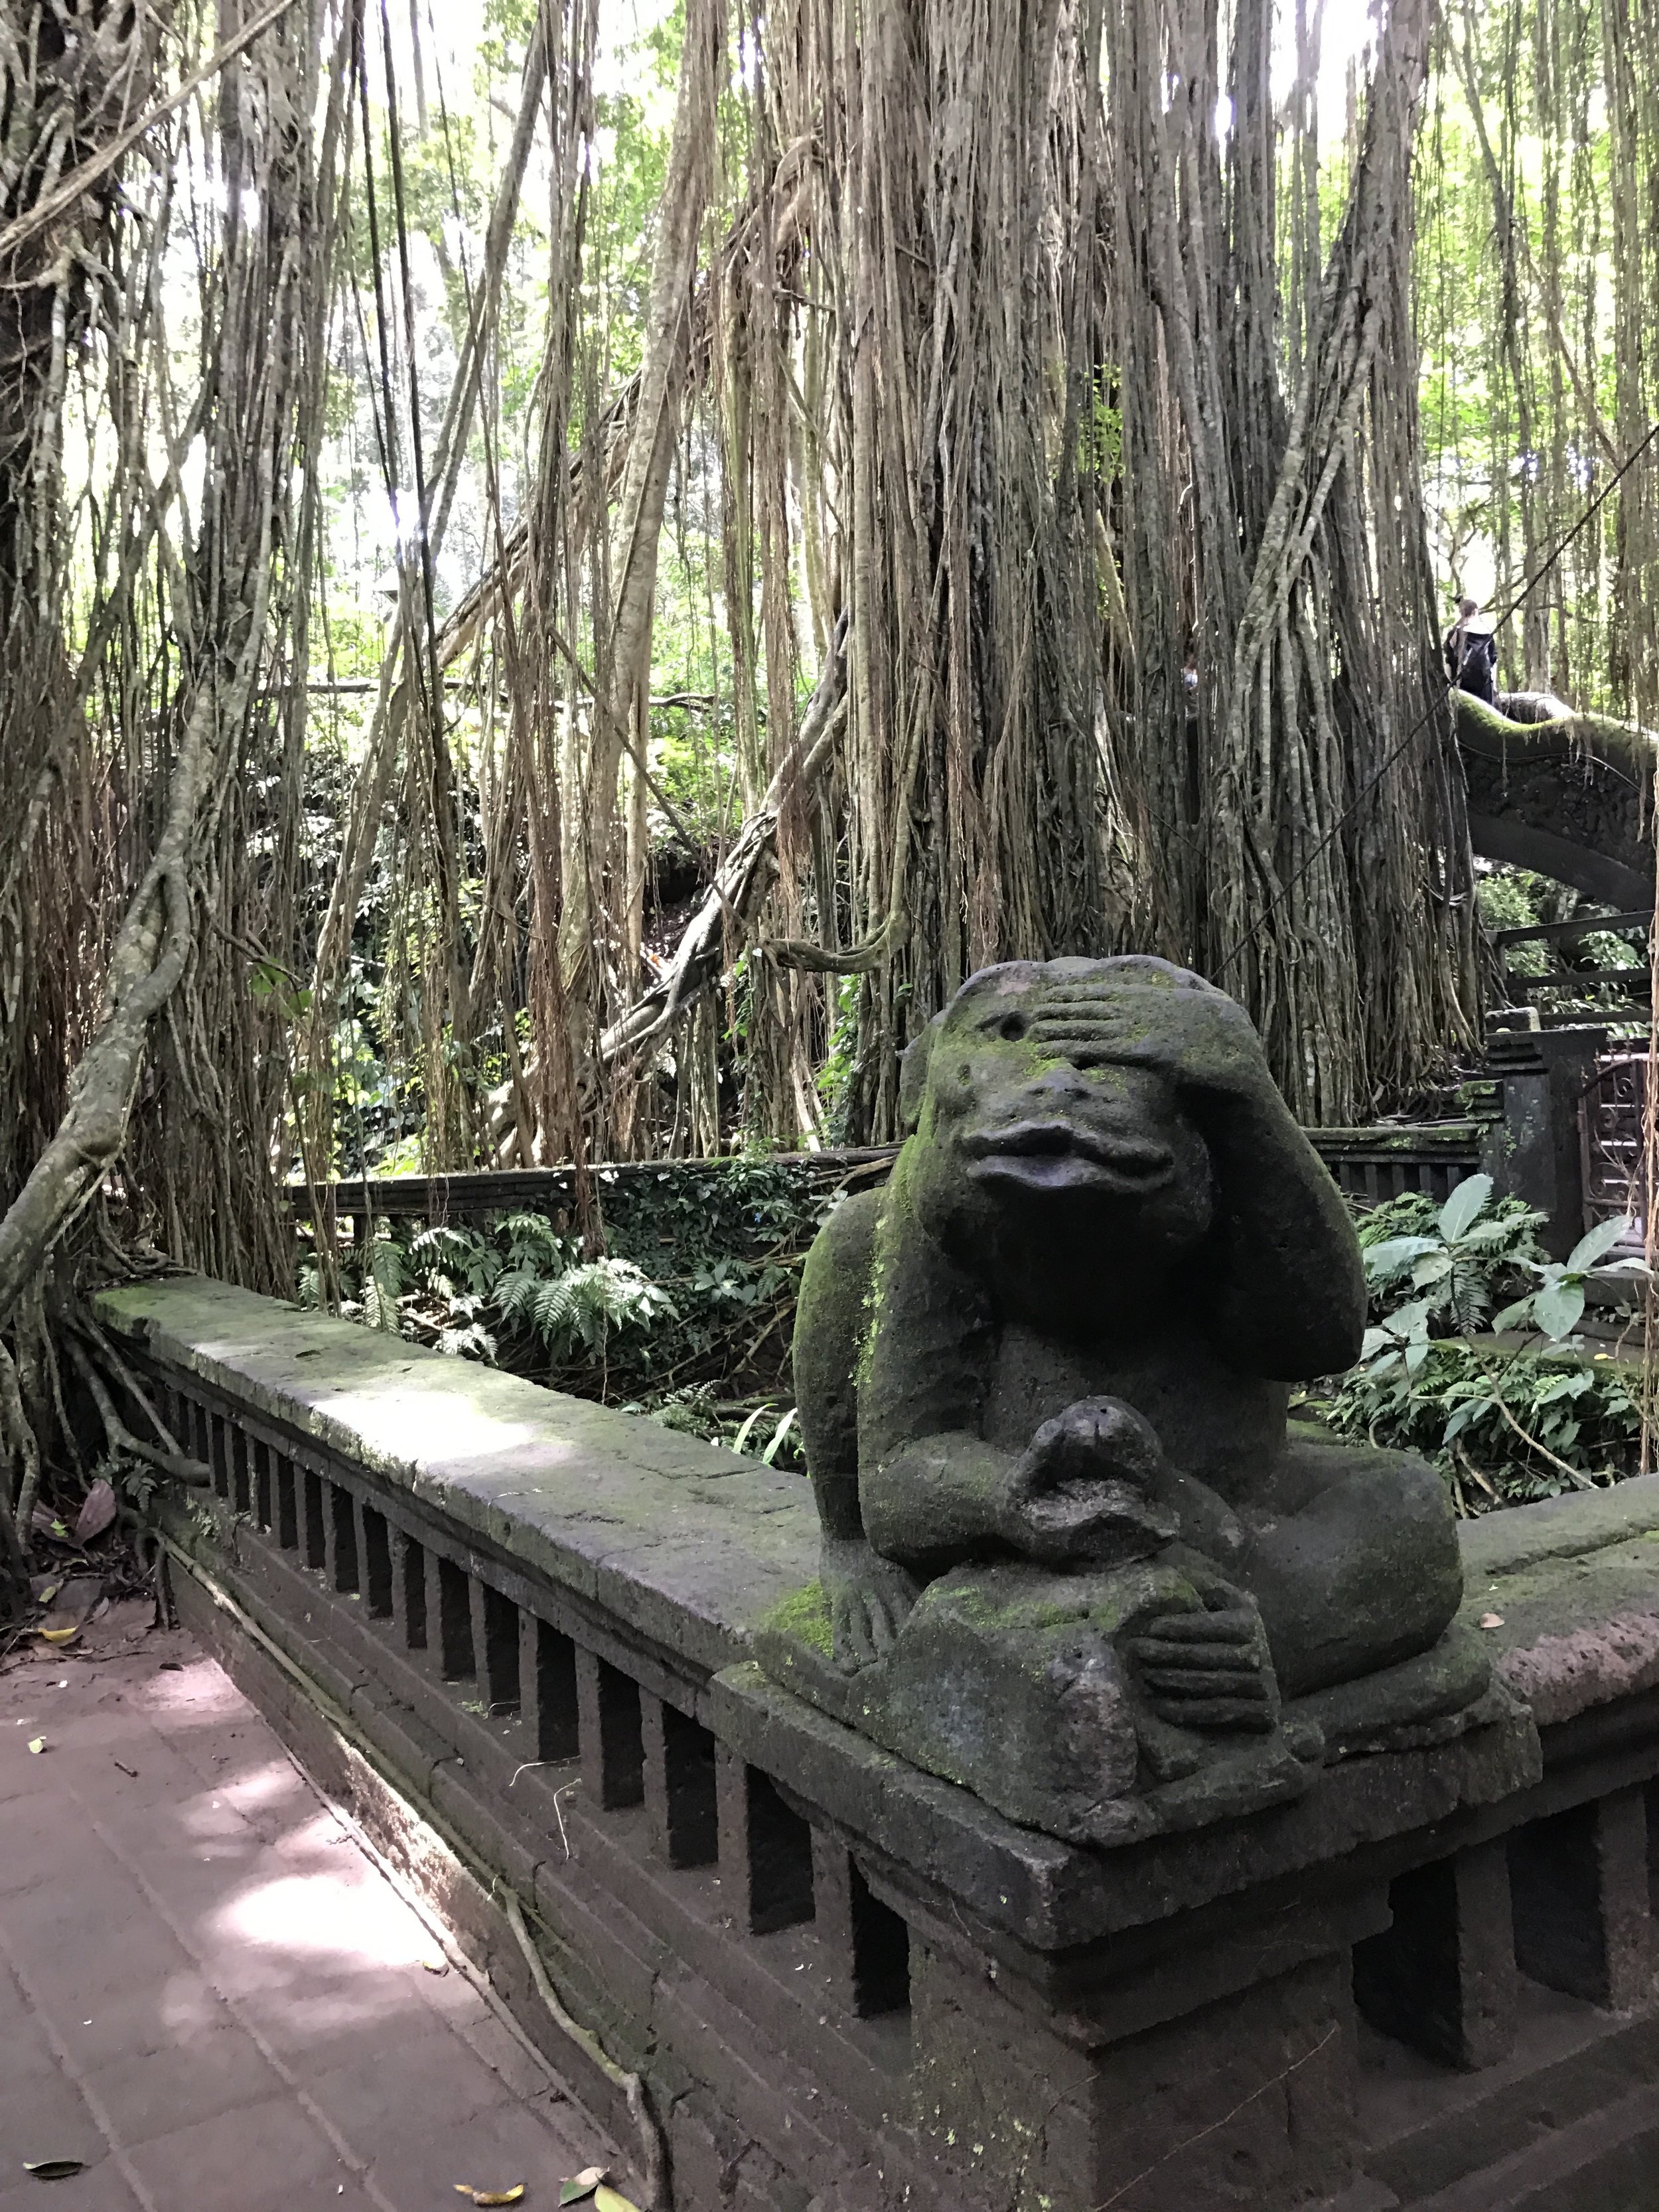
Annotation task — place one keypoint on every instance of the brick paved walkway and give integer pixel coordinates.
(208, 1992)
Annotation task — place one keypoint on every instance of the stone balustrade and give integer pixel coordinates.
(846, 1986)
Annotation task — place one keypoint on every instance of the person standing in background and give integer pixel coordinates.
(1472, 652)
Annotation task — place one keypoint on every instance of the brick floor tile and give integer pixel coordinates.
(237, 2159)
(493, 2150)
(418, 2068)
(195, 1882)
(134, 1778)
(195, 2079)
(204, 1933)
(495, 2044)
(193, 1813)
(43, 2115)
(319, 2020)
(101, 2189)
(21, 1771)
(452, 1997)
(42, 1841)
(24, 2045)
(325, 2193)
(75, 1947)
(81, 1730)
(150, 2018)
(275, 1799)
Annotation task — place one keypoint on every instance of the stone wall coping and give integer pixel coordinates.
(688, 1546)
(1519, 1536)
(685, 1543)
(1569, 1591)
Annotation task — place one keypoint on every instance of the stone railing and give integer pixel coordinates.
(790, 1972)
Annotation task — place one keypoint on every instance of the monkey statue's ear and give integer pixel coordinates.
(913, 1075)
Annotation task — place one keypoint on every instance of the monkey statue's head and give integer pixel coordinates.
(1039, 1138)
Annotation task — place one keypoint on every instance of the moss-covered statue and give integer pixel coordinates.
(1074, 1556)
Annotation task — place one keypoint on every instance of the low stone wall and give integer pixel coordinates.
(848, 1987)
(1370, 1165)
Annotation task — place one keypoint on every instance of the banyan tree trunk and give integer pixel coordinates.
(1303, 811)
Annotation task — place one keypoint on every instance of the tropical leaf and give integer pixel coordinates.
(1458, 1215)
(1558, 1306)
(1596, 1245)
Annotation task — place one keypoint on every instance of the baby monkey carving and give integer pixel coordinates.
(1044, 1372)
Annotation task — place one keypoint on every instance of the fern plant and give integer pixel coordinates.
(582, 1307)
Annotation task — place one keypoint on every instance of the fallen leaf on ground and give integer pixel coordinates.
(125, 1769)
(97, 1512)
(1492, 1621)
(581, 2185)
(491, 2195)
(53, 2169)
(434, 1964)
(606, 2200)
(65, 1635)
(37, 1744)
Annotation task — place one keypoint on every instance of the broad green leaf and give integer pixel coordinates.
(1415, 1355)
(1596, 1246)
(1471, 1410)
(1388, 1258)
(581, 2184)
(1409, 1323)
(1459, 1212)
(1556, 1307)
(1515, 1316)
(1497, 1229)
(1432, 1267)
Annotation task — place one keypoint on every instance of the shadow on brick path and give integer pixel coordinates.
(210, 1993)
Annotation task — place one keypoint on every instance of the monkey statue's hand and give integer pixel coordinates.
(870, 1600)
(1188, 1031)
(1211, 1669)
(1082, 1491)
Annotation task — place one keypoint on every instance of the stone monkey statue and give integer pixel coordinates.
(1064, 1333)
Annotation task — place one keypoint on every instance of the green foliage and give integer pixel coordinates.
(1515, 898)
(1502, 1425)
(764, 1429)
(840, 1063)
(579, 1309)
(1457, 1264)
(1459, 1257)
(1508, 899)
(689, 1312)
(1502, 1429)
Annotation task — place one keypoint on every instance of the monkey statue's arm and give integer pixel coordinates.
(929, 1485)
(869, 1597)
(1291, 1294)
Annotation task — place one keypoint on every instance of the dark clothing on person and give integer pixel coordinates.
(1472, 661)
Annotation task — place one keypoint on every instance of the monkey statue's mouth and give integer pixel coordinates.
(1056, 1155)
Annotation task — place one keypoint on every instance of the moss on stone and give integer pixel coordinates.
(805, 1614)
